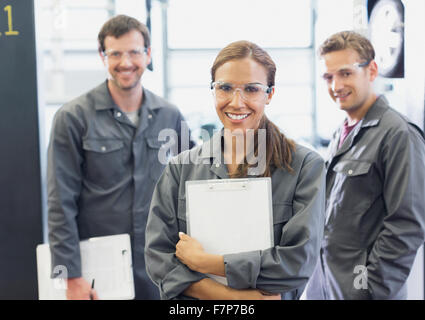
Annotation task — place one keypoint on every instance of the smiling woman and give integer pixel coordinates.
(246, 65)
(243, 110)
(242, 84)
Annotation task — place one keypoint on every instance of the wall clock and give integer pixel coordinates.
(386, 29)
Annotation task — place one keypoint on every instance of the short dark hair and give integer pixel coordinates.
(120, 25)
(348, 40)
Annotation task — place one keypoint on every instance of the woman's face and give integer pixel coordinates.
(241, 108)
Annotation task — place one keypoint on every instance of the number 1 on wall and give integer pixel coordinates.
(11, 32)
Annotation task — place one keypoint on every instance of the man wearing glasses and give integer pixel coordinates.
(103, 157)
(375, 184)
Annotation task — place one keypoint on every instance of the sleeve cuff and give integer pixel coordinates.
(177, 281)
(242, 269)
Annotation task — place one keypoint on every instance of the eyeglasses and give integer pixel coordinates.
(345, 72)
(249, 92)
(115, 55)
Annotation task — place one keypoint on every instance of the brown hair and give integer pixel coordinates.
(348, 40)
(120, 25)
(278, 148)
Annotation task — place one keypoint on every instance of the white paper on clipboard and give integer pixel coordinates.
(106, 259)
(230, 215)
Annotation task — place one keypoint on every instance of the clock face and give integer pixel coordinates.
(386, 27)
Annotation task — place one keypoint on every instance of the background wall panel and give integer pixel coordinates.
(20, 187)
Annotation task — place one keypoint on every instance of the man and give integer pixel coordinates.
(103, 157)
(375, 193)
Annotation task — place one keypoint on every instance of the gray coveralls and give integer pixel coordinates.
(298, 221)
(101, 174)
(375, 209)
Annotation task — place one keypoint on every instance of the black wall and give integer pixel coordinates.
(20, 186)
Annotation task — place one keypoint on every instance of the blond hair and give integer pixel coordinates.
(348, 40)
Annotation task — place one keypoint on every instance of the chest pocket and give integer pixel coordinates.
(104, 161)
(352, 168)
(354, 186)
(158, 157)
(282, 212)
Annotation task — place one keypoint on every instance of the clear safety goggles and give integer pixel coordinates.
(115, 55)
(345, 72)
(224, 91)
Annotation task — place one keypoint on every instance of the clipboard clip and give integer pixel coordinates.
(127, 262)
(240, 184)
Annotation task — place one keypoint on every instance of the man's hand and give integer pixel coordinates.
(80, 289)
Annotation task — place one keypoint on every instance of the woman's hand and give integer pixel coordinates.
(190, 252)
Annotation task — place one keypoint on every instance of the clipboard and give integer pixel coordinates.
(230, 215)
(106, 259)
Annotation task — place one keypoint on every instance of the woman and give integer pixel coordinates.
(243, 78)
